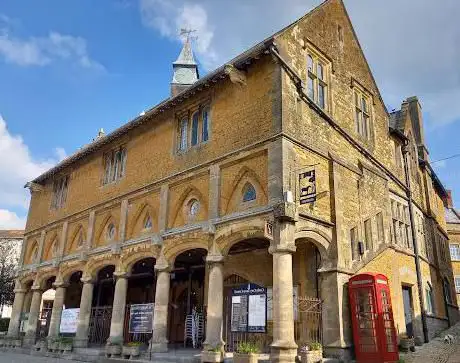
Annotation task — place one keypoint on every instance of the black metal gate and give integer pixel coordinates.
(43, 323)
(308, 320)
(99, 324)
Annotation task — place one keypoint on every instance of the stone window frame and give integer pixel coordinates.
(191, 135)
(457, 283)
(354, 240)
(60, 190)
(454, 256)
(361, 93)
(380, 224)
(318, 59)
(400, 222)
(429, 299)
(114, 165)
(368, 235)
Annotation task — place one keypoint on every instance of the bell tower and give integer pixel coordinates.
(185, 69)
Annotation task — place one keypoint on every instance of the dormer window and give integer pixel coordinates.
(193, 130)
(59, 193)
(114, 165)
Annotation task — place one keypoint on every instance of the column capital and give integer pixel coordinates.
(287, 248)
(215, 259)
(87, 280)
(61, 284)
(36, 288)
(163, 267)
(121, 274)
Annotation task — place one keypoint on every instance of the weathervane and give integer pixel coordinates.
(186, 32)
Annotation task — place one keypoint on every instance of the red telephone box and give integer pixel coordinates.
(374, 332)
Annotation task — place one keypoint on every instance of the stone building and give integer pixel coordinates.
(453, 229)
(10, 251)
(281, 168)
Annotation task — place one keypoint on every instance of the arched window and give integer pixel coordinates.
(429, 299)
(80, 239)
(110, 233)
(183, 135)
(195, 119)
(147, 222)
(249, 192)
(54, 248)
(194, 208)
(34, 254)
(205, 128)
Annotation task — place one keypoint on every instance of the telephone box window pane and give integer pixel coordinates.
(365, 315)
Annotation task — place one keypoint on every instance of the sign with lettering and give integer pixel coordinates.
(69, 320)
(249, 309)
(307, 187)
(141, 318)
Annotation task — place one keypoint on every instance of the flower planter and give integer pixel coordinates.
(53, 345)
(40, 346)
(65, 347)
(312, 356)
(131, 351)
(211, 356)
(16, 343)
(112, 350)
(407, 344)
(245, 357)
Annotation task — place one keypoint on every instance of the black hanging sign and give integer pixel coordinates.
(307, 187)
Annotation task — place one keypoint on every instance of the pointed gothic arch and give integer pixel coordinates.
(52, 247)
(140, 219)
(32, 253)
(246, 178)
(78, 239)
(102, 236)
(179, 211)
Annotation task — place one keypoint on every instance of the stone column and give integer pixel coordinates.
(58, 304)
(34, 312)
(214, 319)
(160, 317)
(15, 320)
(118, 309)
(283, 348)
(81, 337)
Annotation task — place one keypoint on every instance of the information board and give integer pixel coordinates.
(249, 309)
(141, 318)
(69, 320)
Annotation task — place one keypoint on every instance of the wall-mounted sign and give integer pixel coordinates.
(249, 309)
(141, 318)
(69, 320)
(307, 186)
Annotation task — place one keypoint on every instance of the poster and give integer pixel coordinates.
(141, 318)
(257, 313)
(69, 320)
(249, 309)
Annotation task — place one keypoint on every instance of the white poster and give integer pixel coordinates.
(69, 320)
(257, 311)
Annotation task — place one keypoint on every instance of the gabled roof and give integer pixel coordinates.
(452, 216)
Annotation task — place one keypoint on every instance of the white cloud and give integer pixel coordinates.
(17, 167)
(411, 45)
(41, 51)
(169, 17)
(10, 220)
(60, 153)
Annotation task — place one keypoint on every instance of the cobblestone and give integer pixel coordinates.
(437, 351)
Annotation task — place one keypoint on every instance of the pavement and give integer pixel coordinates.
(7, 357)
(437, 351)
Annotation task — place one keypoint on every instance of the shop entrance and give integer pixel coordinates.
(186, 308)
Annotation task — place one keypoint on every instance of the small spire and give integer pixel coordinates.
(186, 54)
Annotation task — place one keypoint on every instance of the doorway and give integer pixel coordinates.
(408, 310)
(186, 308)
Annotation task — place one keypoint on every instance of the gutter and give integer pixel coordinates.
(415, 244)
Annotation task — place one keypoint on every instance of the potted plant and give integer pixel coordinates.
(246, 352)
(53, 344)
(131, 350)
(212, 355)
(113, 347)
(41, 345)
(65, 344)
(311, 353)
(407, 343)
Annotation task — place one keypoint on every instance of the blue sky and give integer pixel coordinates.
(70, 68)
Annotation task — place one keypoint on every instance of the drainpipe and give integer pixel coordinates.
(414, 242)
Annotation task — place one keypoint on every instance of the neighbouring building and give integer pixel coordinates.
(10, 251)
(453, 229)
(281, 168)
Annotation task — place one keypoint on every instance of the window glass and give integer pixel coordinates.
(110, 232)
(319, 72)
(249, 193)
(194, 140)
(194, 208)
(457, 284)
(311, 87)
(321, 96)
(183, 135)
(310, 63)
(205, 129)
(455, 252)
